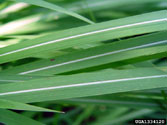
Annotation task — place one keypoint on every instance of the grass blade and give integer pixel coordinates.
(51, 6)
(69, 38)
(9, 117)
(110, 54)
(7, 104)
(104, 82)
(17, 78)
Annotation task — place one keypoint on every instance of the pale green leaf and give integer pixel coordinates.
(51, 6)
(136, 50)
(82, 85)
(7, 104)
(87, 34)
(12, 118)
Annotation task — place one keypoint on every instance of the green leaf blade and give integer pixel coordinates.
(69, 38)
(99, 83)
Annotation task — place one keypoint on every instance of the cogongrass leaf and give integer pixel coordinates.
(10, 118)
(136, 50)
(145, 23)
(18, 78)
(7, 104)
(82, 85)
(51, 6)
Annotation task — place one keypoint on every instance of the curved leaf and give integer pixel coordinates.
(51, 6)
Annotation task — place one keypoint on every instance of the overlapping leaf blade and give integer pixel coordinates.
(10, 118)
(51, 6)
(17, 78)
(87, 34)
(82, 85)
(7, 104)
(135, 50)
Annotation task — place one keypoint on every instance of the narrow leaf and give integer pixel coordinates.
(51, 6)
(87, 34)
(11, 118)
(72, 86)
(7, 104)
(113, 54)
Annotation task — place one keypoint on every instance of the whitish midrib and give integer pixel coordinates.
(93, 57)
(84, 34)
(81, 84)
